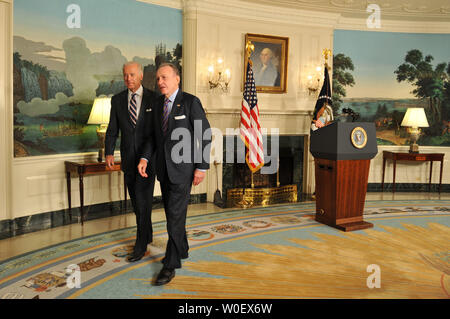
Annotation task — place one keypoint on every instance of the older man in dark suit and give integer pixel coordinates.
(128, 112)
(180, 162)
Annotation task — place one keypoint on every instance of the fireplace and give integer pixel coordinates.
(267, 186)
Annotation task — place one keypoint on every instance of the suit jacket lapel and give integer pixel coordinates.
(175, 105)
(124, 104)
(145, 101)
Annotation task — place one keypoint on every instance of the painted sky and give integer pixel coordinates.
(133, 27)
(376, 55)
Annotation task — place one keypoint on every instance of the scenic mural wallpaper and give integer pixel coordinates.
(380, 74)
(66, 55)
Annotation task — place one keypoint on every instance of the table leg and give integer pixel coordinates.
(121, 201)
(393, 178)
(440, 176)
(382, 180)
(69, 194)
(125, 191)
(81, 198)
(431, 172)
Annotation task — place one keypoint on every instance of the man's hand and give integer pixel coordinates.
(109, 161)
(198, 177)
(319, 123)
(142, 167)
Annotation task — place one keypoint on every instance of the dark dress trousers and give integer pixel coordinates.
(131, 148)
(176, 171)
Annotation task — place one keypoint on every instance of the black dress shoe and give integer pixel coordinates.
(135, 257)
(165, 276)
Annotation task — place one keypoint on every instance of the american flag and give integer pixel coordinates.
(250, 129)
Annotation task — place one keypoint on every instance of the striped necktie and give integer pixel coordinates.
(133, 109)
(165, 117)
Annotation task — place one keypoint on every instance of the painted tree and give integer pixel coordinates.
(446, 102)
(341, 78)
(428, 82)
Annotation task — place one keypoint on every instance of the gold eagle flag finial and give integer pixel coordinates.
(249, 47)
(326, 53)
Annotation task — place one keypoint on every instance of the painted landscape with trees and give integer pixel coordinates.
(396, 77)
(58, 71)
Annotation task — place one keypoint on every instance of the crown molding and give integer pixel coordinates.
(175, 4)
(280, 12)
(346, 23)
(413, 10)
(262, 13)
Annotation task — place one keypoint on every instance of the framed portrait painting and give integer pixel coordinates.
(270, 60)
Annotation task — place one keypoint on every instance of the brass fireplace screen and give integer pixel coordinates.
(249, 197)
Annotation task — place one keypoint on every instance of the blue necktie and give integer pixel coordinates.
(133, 109)
(165, 115)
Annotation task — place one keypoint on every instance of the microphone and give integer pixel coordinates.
(352, 113)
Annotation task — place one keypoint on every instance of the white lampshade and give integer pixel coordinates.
(415, 117)
(100, 111)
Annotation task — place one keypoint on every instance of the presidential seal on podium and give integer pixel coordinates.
(359, 137)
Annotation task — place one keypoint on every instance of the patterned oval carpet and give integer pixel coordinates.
(274, 252)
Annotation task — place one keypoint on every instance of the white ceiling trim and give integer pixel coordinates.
(394, 26)
(397, 16)
(263, 13)
(175, 4)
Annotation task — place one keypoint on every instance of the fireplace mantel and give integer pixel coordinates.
(289, 122)
(237, 112)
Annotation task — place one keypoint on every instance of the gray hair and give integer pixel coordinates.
(269, 51)
(141, 70)
(171, 65)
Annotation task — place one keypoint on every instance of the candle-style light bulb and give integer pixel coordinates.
(210, 72)
(227, 75)
(219, 65)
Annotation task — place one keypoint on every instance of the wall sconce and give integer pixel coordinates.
(313, 80)
(414, 118)
(100, 115)
(217, 78)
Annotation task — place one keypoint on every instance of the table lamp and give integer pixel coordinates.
(100, 115)
(414, 119)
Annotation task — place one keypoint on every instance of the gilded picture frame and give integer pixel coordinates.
(270, 61)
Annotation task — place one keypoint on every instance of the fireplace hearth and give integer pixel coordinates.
(243, 189)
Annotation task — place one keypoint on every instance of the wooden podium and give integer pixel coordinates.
(342, 153)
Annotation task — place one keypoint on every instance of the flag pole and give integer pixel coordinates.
(253, 185)
(278, 172)
(250, 121)
(250, 47)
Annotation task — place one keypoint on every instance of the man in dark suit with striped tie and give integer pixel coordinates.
(129, 109)
(179, 120)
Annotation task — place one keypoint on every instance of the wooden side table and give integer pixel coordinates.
(84, 169)
(416, 157)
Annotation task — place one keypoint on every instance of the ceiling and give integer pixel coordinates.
(410, 10)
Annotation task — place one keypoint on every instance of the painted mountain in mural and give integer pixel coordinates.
(59, 70)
